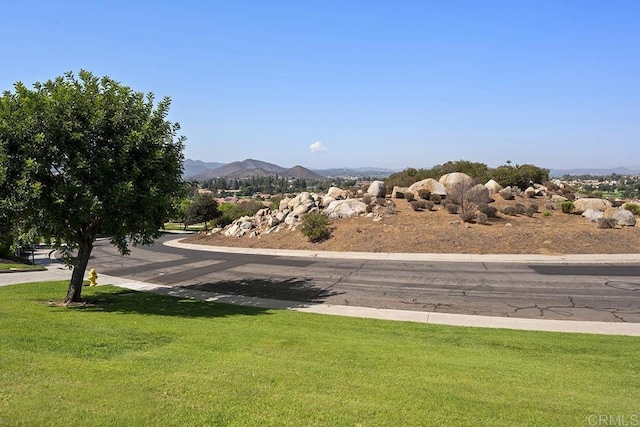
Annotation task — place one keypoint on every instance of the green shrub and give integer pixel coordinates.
(315, 227)
(633, 208)
(232, 211)
(567, 206)
(546, 213)
(452, 208)
(275, 203)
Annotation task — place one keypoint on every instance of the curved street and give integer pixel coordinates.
(605, 292)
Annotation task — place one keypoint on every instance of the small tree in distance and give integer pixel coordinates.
(89, 156)
(203, 208)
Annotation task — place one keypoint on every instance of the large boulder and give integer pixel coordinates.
(398, 192)
(493, 186)
(336, 193)
(454, 179)
(556, 198)
(582, 205)
(284, 204)
(593, 215)
(429, 184)
(304, 207)
(299, 199)
(345, 208)
(624, 218)
(377, 189)
(506, 193)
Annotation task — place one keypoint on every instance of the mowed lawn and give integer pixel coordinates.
(132, 358)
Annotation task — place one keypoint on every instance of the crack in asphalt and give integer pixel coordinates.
(433, 306)
(558, 309)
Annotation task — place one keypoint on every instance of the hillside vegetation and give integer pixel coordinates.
(520, 176)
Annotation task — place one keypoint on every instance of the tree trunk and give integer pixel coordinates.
(80, 265)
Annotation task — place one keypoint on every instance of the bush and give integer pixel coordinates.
(232, 211)
(633, 208)
(534, 207)
(510, 210)
(428, 205)
(436, 198)
(530, 211)
(409, 196)
(315, 227)
(546, 213)
(423, 193)
(467, 216)
(520, 209)
(452, 208)
(567, 206)
(381, 201)
(482, 218)
(489, 211)
(367, 198)
(606, 223)
(275, 203)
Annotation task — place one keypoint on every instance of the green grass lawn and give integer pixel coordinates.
(179, 226)
(13, 266)
(132, 358)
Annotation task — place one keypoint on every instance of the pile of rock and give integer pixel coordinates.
(337, 203)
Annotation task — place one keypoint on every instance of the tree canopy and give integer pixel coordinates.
(518, 175)
(86, 155)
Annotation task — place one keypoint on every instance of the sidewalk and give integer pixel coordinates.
(56, 271)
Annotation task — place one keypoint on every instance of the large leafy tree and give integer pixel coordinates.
(86, 155)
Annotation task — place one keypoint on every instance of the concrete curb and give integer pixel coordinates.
(425, 257)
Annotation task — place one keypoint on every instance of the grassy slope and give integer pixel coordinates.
(142, 359)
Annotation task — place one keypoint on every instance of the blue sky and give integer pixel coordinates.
(359, 83)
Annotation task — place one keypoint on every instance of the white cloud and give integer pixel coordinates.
(317, 146)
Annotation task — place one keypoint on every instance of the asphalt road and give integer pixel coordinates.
(598, 292)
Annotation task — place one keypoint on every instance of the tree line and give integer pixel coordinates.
(520, 176)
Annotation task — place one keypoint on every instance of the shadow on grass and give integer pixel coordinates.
(300, 292)
(125, 301)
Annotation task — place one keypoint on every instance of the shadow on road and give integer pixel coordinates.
(127, 301)
(299, 290)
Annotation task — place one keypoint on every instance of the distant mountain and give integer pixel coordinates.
(250, 167)
(557, 173)
(245, 165)
(196, 167)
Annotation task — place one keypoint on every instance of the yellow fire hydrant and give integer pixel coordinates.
(93, 277)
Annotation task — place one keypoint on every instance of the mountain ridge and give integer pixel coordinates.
(251, 167)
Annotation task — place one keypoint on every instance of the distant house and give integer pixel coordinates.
(204, 191)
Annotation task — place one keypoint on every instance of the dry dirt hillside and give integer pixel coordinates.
(441, 232)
